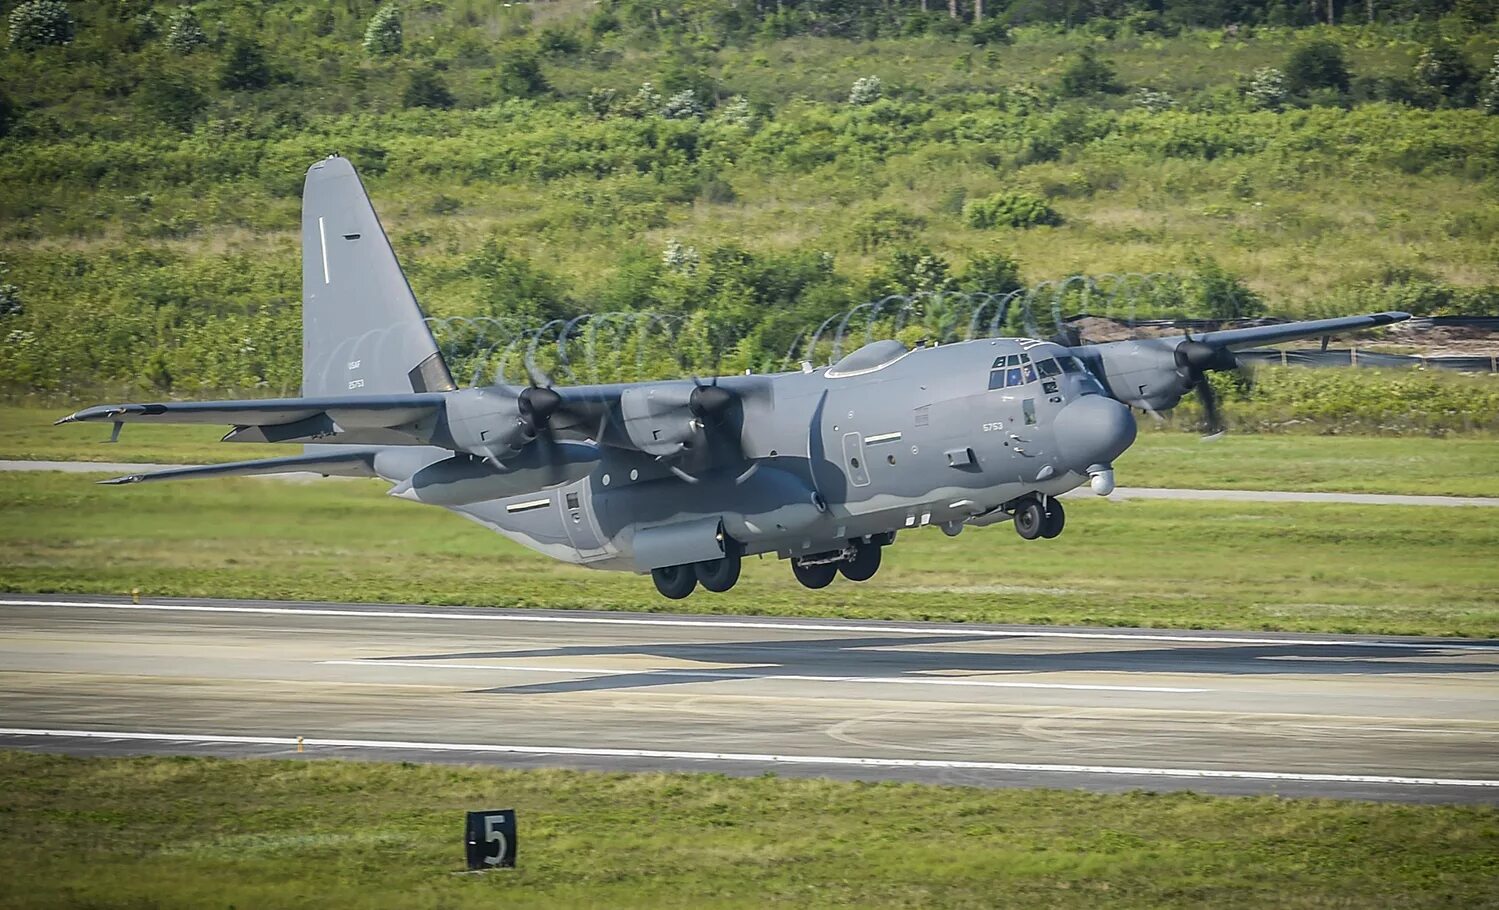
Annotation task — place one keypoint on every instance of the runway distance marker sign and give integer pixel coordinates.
(489, 837)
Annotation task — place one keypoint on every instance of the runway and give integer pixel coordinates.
(1107, 709)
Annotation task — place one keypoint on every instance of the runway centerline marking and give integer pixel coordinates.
(729, 674)
(945, 631)
(291, 741)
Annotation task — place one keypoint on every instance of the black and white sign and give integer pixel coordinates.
(490, 838)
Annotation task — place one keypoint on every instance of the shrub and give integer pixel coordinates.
(1490, 99)
(383, 36)
(1009, 209)
(1316, 65)
(1222, 295)
(39, 23)
(425, 88)
(885, 225)
(682, 106)
(185, 32)
(245, 67)
(867, 90)
(1154, 101)
(1088, 75)
(1444, 71)
(172, 98)
(1266, 89)
(991, 273)
(521, 75)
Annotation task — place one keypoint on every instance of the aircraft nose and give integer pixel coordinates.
(1093, 430)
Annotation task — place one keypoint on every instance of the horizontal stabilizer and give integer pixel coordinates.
(357, 463)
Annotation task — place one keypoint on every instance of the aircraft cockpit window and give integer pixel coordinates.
(1047, 367)
(1008, 372)
(1070, 365)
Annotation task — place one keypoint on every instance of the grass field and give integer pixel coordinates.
(1319, 567)
(1456, 466)
(180, 832)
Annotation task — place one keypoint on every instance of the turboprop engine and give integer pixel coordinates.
(1155, 373)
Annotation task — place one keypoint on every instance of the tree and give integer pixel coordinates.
(383, 36)
(185, 32)
(521, 75)
(1087, 74)
(425, 88)
(991, 273)
(1316, 65)
(1444, 70)
(1222, 295)
(40, 23)
(245, 68)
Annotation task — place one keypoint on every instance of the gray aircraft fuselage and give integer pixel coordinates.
(911, 439)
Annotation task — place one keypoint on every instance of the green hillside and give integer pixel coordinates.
(748, 170)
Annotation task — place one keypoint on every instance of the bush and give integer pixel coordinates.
(521, 75)
(173, 98)
(1443, 70)
(1316, 65)
(1266, 89)
(867, 90)
(1490, 99)
(185, 32)
(682, 106)
(40, 23)
(1088, 75)
(425, 88)
(245, 68)
(1009, 209)
(383, 36)
(991, 273)
(1221, 295)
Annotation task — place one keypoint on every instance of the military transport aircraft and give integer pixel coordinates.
(684, 478)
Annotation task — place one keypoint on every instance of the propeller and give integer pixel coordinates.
(1194, 360)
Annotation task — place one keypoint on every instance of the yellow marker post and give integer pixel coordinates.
(299, 744)
(135, 595)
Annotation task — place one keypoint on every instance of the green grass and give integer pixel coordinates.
(181, 832)
(1456, 466)
(1186, 564)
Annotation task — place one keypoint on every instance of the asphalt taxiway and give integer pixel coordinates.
(1353, 716)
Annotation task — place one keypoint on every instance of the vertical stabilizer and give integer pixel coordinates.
(362, 331)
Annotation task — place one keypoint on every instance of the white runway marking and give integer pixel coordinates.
(214, 738)
(479, 613)
(728, 674)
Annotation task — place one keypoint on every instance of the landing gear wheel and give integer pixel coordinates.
(675, 582)
(865, 563)
(719, 575)
(818, 576)
(1029, 519)
(1055, 521)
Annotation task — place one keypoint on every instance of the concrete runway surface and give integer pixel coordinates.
(1107, 709)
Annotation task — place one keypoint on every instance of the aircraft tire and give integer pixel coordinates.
(818, 576)
(1055, 520)
(675, 582)
(1029, 519)
(865, 563)
(719, 575)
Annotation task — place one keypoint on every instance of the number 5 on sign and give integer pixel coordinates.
(490, 839)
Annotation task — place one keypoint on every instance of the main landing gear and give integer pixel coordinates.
(717, 575)
(856, 562)
(1039, 517)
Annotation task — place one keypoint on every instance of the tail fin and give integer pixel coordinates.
(362, 331)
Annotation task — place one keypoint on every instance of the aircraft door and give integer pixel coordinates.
(853, 460)
(576, 503)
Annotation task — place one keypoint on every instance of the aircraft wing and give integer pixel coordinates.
(345, 463)
(403, 417)
(1238, 339)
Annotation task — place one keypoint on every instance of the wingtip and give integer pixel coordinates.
(127, 478)
(71, 418)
